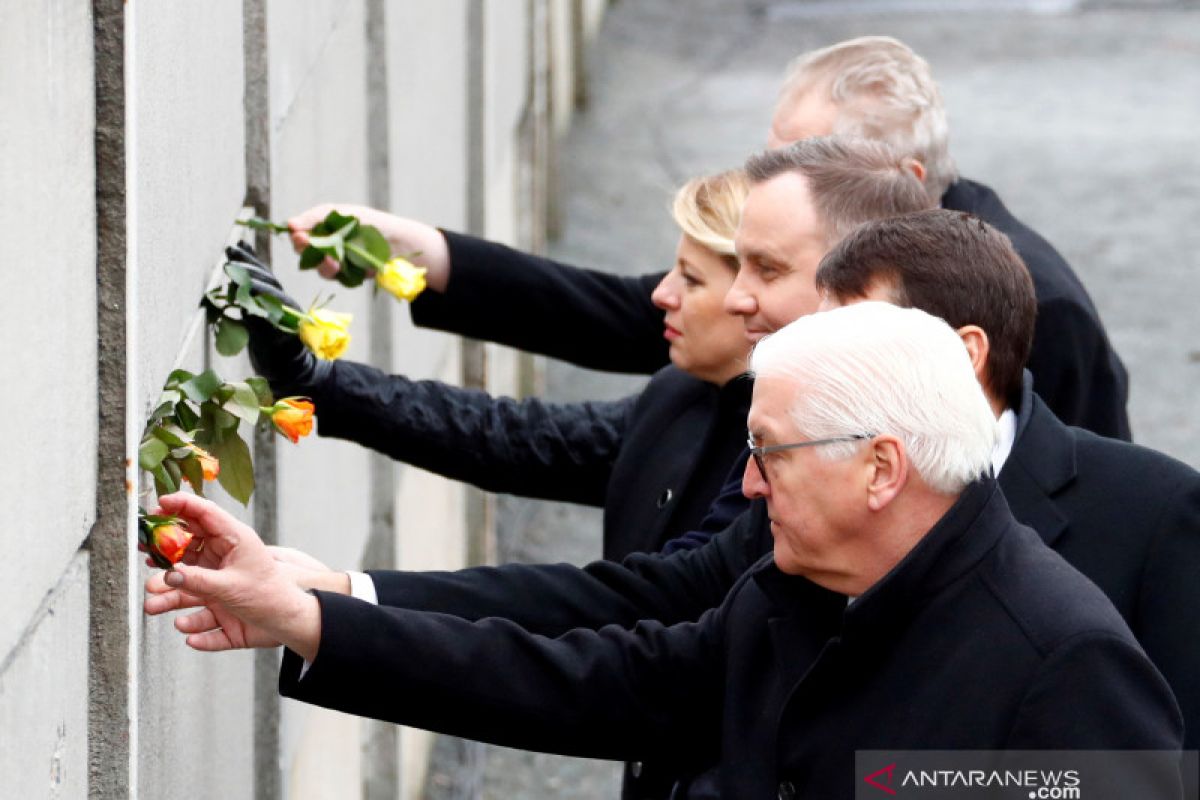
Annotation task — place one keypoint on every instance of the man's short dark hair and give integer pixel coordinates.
(950, 264)
(851, 180)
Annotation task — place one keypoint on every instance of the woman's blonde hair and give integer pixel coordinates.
(709, 208)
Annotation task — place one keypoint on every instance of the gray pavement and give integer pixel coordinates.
(1084, 117)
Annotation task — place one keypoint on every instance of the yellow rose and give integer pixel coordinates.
(401, 278)
(326, 333)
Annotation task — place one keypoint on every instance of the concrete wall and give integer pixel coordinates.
(144, 130)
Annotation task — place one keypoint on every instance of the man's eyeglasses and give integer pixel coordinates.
(759, 452)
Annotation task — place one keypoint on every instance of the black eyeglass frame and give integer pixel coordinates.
(758, 452)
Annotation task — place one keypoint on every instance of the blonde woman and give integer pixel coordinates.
(654, 461)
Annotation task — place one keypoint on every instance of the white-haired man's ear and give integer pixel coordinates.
(916, 168)
(887, 471)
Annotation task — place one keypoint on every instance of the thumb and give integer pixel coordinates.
(198, 580)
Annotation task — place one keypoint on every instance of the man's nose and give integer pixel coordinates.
(754, 483)
(738, 301)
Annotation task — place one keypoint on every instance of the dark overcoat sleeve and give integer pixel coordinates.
(1075, 370)
(551, 599)
(1167, 616)
(594, 319)
(557, 451)
(653, 692)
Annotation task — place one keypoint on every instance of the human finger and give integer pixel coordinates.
(214, 641)
(170, 600)
(205, 518)
(329, 268)
(197, 622)
(199, 581)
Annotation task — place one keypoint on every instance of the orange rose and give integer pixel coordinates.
(293, 416)
(208, 463)
(166, 538)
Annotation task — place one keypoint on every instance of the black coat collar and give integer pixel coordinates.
(1041, 465)
(959, 540)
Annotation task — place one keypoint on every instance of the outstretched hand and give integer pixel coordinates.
(245, 598)
(405, 236)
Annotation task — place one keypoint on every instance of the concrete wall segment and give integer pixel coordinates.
(49, 406)
(188, 165)
(427, 65)
(43, 697)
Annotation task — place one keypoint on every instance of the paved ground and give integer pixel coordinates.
(1084, 117)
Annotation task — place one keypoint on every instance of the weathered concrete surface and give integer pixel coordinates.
(1084, 121)
(48, 311)
(43, 697)
(186, 87)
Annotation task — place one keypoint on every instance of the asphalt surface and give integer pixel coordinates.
(1085, 117)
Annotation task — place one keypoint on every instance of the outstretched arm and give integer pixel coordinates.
(553, 598)
(488, 291)
(653, 692)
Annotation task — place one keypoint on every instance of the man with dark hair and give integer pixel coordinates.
(955, 267)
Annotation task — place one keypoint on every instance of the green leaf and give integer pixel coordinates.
(332, 245)
(151, 452)
(163, 483)
(244, 297)
(351, 275)
(231, 336)
(176, 378)
(237, 470)
(163, 410)
(201, 387)
(260, 224)
(336, 221)
(370, 239)
(193, 472)
(243, 403)
(237, 273)
(311, 258)
(262, 390)
(186, 416)
(275, 312)
(169, 437)
(172, 468)
(212, 311)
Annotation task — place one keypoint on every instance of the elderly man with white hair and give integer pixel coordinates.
(902, 608)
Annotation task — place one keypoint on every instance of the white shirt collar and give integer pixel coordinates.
(1006, 427)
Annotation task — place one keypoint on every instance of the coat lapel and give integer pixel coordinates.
(1040, 466)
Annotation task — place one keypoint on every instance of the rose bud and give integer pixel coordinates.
(293, 417)
(326, 333)
(208, 463)
(401, 278)
(165, 538)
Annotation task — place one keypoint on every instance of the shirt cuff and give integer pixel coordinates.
(363, 588)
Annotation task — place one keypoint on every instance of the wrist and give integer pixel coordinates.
(336, 582)
(299, 626)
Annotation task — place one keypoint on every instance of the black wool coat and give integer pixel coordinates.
(654, 461)
(605, 321)
(980, 638)
(1126, 516)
